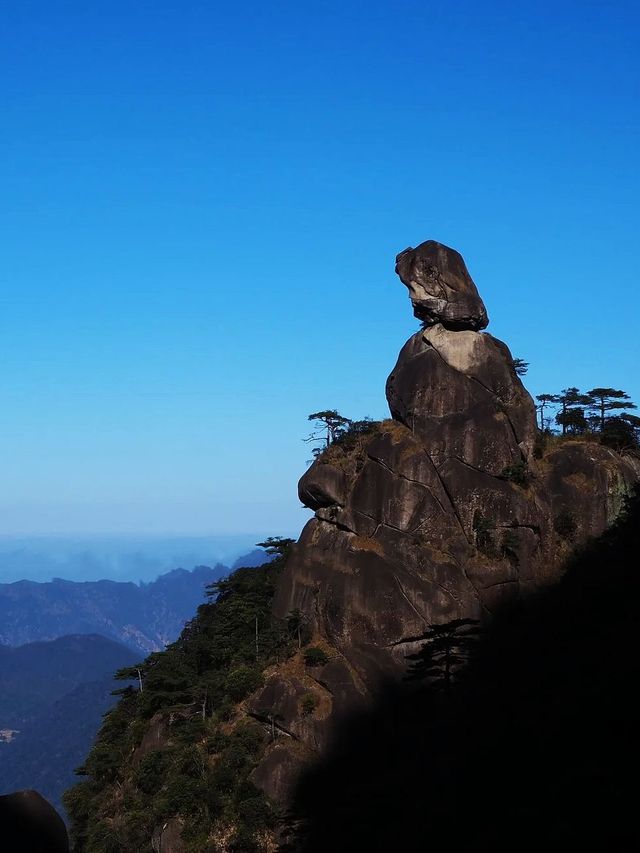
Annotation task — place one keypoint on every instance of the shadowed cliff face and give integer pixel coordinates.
(535, 748)
(450, 509)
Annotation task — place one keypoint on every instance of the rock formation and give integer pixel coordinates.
(453, 508)
(440, 287)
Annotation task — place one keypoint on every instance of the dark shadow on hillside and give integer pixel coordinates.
(536, 749)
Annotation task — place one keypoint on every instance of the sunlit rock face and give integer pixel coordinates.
(450, 509)
(440, 287)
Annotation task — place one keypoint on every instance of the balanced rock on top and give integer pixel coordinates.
(440, 287)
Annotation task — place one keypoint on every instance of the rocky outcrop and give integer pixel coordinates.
(167, 837)
(451, 509)
(29, 822)
(440, 287)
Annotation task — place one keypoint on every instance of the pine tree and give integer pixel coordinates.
(545, 400)
(571, 416)
(329, 427)
(447, 649)
(520, 366)
(603, 400)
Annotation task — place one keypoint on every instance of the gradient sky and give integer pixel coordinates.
(201, 206)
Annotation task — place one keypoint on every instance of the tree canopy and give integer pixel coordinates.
(603, 400)
(328, 426)
(595, 411)
(332, 428)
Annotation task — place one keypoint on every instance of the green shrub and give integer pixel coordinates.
(308, 704)
(315, 656)
(356, 429)
(191, 762)
(150, 774)
(483, 529)
(236, 755)
(102, 839)
(517, 473)
(250, 736)
(243, 681)
(224, 711)
(223, 778)
(618, 434)
(183, 796)
(254, 811)
(216, 743)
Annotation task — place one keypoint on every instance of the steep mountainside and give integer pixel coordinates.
(54, 695)
(144, 617)
(456, 508)
(38, 674)
(172, 764)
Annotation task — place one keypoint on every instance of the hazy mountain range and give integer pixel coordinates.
(121, 558)
(143, 616)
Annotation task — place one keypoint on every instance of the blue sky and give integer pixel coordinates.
(201, 206)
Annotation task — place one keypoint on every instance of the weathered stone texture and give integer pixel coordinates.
(440, 287)
(443, 512)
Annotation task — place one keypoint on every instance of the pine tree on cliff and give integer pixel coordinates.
(520, 366)
(329, 425)
(571, 416)
(447, 649)
(605, 400)
(277, 546)
(544, 400)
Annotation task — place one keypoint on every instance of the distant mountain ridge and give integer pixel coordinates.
(117, 558)
(144, 617)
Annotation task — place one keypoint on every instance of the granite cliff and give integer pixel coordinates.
(456, 507)
(453, 508)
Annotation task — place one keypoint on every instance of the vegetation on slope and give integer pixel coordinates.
(178, 747)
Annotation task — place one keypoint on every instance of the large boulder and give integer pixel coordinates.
(30, 824)
(440, 287)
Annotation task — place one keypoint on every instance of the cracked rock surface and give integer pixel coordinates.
(445, 511)
(440, 287)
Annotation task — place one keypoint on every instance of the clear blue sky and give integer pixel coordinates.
(201, 205)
